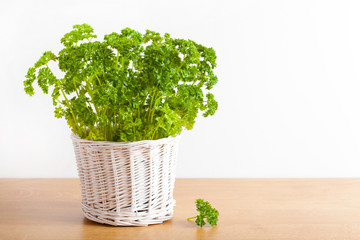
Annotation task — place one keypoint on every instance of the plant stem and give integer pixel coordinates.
(155, 131)
(68, 103)
(181, 64)
(98, 79)
(152, 107)
(156, 101)
(190, 218)
(88, 88)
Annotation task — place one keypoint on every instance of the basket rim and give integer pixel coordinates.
(75, 137)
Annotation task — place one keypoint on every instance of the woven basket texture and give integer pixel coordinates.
(127, 184)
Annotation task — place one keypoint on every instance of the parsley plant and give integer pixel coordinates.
(128, 87)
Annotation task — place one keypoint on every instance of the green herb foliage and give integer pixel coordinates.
(128, 87)
(206, 212)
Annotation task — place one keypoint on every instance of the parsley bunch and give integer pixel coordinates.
(205, 212)
(128, 87)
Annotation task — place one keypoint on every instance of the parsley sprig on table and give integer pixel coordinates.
(205, 212)
(128, 87)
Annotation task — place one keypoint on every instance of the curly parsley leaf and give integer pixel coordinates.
(205, 212)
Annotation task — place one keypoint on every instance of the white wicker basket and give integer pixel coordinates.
(127, 184)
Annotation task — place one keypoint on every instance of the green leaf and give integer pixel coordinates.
(45, 58)
(80, 32)
(200, 221)
(30, 78)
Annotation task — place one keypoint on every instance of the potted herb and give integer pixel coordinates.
(127, 99)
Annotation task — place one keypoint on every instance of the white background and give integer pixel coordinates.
(288, 91)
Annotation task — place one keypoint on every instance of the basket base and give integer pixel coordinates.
(127, 218)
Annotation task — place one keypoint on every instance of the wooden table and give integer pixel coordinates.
(324, 209)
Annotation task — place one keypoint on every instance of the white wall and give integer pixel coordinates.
(288, 86)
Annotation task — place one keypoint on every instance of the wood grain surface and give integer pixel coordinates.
(321, 209)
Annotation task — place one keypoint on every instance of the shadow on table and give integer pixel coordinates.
(172, 229)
